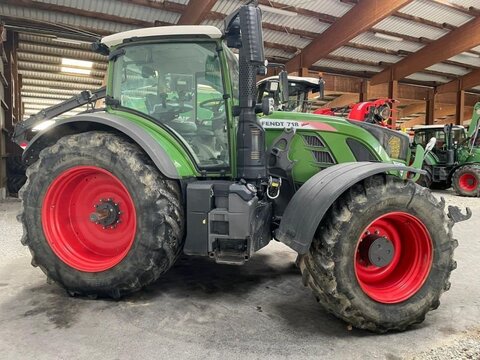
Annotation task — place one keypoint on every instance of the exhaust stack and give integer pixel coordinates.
(243, 30)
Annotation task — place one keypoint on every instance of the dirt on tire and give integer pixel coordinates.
(328, 267)
(160, 224)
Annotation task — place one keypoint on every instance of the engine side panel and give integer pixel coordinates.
(320, 142)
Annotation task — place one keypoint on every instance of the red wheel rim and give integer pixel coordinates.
(468, 182)
(80, 243)
(410, 265)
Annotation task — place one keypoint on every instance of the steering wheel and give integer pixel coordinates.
(170, 111)
(212, 105)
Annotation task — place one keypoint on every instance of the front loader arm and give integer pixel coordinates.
(475, 123)
(83, 98)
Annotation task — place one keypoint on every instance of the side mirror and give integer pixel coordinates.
(431, 144)
(283, 86)
(268, 105)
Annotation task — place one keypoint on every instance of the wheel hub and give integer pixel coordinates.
(468, 182)
(393, 257)
(107, 214)
(81, 208)
(381, 252)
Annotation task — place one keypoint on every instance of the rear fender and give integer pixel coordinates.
(311, 202)
(105, 122)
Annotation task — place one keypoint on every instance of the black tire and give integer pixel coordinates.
(328, 267)
(158, 239)
(426, 180)
(474, 172)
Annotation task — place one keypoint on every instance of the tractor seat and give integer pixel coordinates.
(185, 128)
(439, 144)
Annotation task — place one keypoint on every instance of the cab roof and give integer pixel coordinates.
(421, 127)
(207, 30)
(306, 80)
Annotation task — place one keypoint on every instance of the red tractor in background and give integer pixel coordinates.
(376, 112)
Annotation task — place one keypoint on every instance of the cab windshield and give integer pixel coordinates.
(178, 85)
(422, 137)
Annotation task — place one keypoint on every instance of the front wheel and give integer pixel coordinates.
(98, 218)
(382, 255)
(466, 180)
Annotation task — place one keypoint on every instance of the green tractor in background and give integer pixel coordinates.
(454, 161)
(178, 162)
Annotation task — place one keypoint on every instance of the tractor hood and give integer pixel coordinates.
(386, 144)
(284, 119)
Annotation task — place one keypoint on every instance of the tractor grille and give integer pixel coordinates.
(312, 140)
(323, 157)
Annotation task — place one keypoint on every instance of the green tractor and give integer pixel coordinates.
(455, 159)
(178, 162)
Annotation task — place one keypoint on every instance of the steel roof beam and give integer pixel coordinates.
(195, 12)
(163, 5)
(81, 12)
(455, 42)
(356, 21)
(464, 82)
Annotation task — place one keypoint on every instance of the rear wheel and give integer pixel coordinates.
(382, 256)
(466, 180)
(98, 218)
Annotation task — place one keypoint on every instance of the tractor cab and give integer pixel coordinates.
(423, 134)
(179, 85)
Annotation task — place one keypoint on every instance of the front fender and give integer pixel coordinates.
(418, 162)
(431, 159)
(105, 121)
(311, 202)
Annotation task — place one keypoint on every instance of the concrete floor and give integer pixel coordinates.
(203, 310)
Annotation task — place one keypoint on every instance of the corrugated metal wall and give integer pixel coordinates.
(3, 138)
(43, 81)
